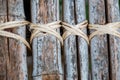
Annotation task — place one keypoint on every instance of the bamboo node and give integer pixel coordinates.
(13, 24)
(110, 28)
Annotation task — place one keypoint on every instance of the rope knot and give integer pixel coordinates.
(75, 30)
(110, 28)
(45, 29)
(13, 24)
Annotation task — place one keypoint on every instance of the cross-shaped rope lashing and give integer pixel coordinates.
(75, 30)
(110, 28)
(45, 29)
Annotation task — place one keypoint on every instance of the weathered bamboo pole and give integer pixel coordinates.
(98, 45)
(3, 42)
(16, 63)
(82, 44)
(113, 15)
(13, 53)
(70, 48)
(46, 49)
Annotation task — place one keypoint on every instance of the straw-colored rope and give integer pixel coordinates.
(75, 30)
(13, 24)
(110, 28)
(45, 29)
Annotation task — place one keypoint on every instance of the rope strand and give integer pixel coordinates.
(13, 24)
(75, 30)
(45, 29)
(110, 28)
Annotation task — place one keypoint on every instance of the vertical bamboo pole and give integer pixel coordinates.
(3, 42)
(46, 50)
(16, 63)
(70, 48)
(13, 53)
(82, 44)
(98, 45)
(113, 15)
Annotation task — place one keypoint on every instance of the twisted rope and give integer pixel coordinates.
(75, 30)
(110, 28)
(45, 29)
(13, 24)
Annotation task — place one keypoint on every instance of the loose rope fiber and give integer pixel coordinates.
(110, 28)
(75, 30)
(13, 24)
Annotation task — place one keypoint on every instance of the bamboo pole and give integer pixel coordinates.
(82, 44)
(17, 64)
(3, 42)
(98, 45)
(113, 15)
(70, 48)
(46, 49)
(14, 52)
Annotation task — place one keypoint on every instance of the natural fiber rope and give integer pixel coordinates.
(13, 24)
(75, 30)
(110, 28)
(50, 28)
(45, 29)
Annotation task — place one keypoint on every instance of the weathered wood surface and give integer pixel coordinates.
(80, 11)
(3, 42)
(13, 65)
(70, 48)
(17, 64)
(46, 49)
(113, 15)
(98, 45)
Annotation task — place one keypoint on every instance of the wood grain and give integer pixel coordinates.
(70, 48)
(113, 15)
(3, 42)
(80, 11)
(16, 64)
(13, 65)
(98, 45)
(46, 49)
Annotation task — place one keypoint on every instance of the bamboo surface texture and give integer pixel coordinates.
(46, 49)
(83, 56)
(75, 59)
(13, 53)
(70, 47)
(113, 15)
(98, 45)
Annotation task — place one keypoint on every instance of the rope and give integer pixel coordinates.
(50, 28)
(45, 29)
(75, 30)
(110, 28)
(13, 24)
